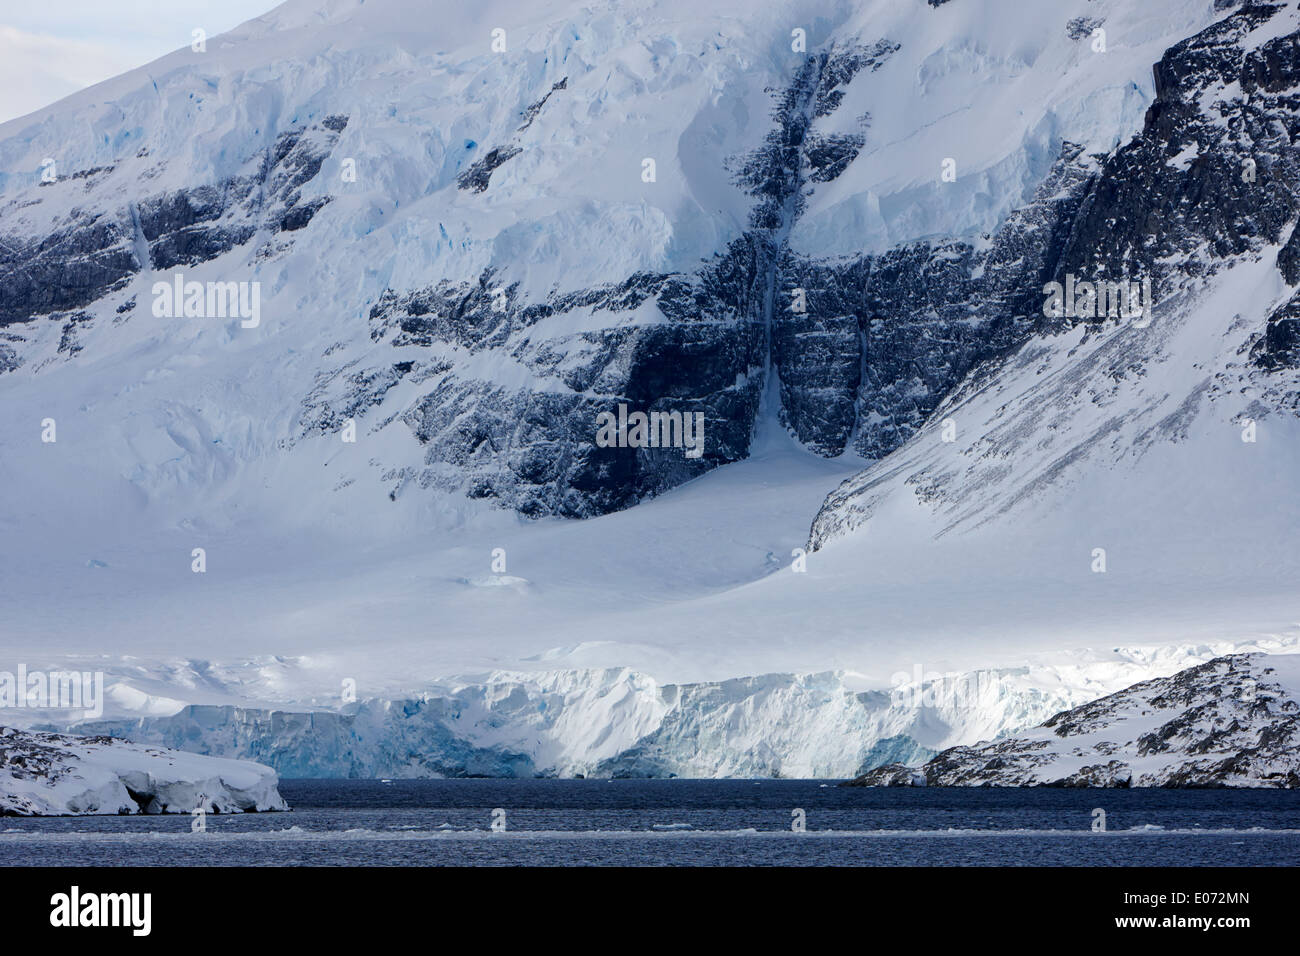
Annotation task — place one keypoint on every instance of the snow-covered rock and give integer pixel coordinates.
(1087, 396)
(44, 774)
(1230, 722)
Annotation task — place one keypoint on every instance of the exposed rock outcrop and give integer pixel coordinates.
(1231, 722)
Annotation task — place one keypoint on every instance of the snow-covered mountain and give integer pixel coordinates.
(827, 228)
(1231, 722)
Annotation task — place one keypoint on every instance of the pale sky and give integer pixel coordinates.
(50, 48)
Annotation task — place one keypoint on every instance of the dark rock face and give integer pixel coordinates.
(918, 319)
(725, 328)
(93, 254)
(708, 352)
(863, 350)
(1147, 214)
(1081, 27)
(536, 450)
(530, 114)
(884, 338)
(89, 257)
(183, 228)
(888, 775)
(1280, 345)
(1288, 259)
(1211, 178)
(478, 176)
(1226, 723)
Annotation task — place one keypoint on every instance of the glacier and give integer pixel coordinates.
(622, 723)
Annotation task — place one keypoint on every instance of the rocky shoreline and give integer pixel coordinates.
(1231, 722)
(44, 774)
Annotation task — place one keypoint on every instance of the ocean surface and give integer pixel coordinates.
(684, 822)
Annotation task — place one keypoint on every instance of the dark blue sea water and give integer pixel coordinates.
(686, 822)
